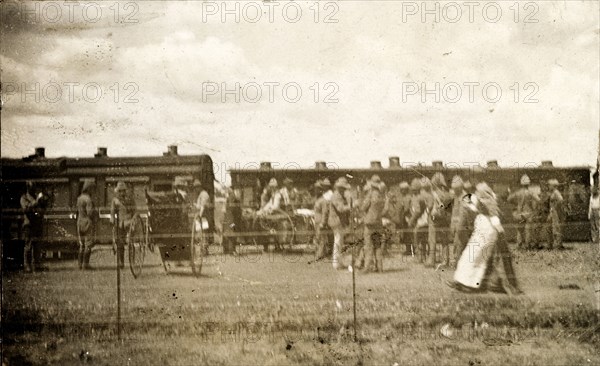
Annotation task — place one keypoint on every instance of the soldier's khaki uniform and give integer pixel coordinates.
(32, 228)
(396, 205)
(554, 220)
(458, 232)
(321, 210)
(406, 234)
(372, 207)
(123, 207)
(418, 218)
(86, 225)
(339, 218)
(526, 202)
(439, 219)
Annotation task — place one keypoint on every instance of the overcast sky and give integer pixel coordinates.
(369, 55)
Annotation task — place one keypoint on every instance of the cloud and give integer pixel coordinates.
(367, 55)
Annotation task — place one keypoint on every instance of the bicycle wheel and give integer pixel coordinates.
(136, 245)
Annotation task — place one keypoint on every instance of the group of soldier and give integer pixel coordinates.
(123, 209)
(421, 215)
(416, 216)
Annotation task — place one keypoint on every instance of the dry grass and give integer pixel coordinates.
(285, 309)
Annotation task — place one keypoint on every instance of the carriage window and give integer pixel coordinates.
(248, 197)
(60, 193)
(137, 189)
(11, 195)
(80, 187)
(577, 199)
(139, 194)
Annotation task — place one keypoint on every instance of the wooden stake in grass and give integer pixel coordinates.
(118, 280)
(352, 264)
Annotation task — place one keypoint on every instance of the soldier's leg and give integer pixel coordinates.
(423, 237)
(319, 245)
(557, 230)
(415, 242)
(338, 236)
(594, 227)
(445, 254)
(547, 232)
(368, 247)
(432, 243)
(88, 244)
(520, 235)
(36, 250)
(81, 253)
(27, 256)
(528, 234)
(378, 252)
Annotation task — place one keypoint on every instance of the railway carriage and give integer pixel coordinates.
(575, 184)
(61, 179)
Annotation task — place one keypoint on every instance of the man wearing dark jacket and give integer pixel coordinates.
(32, 204)
(86, 223)
(339, 217)
(372, 207)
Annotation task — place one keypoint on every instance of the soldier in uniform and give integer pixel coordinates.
(458, 232)
(394, 212)
(418, 218)
(405, 231)
(372, 207)
(122, 209)
(339, 217)
(232, 222)
(526, 202)
(32, 204)
(321, 210)
(439, 219)
(202, 207)
(86, 223)
(289, 196)
(555, 216)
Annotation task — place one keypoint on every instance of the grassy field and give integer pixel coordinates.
(279, 309)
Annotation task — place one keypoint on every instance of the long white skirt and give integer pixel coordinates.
(474, 260)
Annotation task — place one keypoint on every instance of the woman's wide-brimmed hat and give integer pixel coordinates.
(486, 196)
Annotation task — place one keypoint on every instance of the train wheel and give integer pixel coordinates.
(197, 245)
(136, 244)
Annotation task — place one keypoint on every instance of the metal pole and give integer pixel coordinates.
(118, 281)
(352, 265)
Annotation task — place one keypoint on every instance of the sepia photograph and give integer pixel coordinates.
(322, 182)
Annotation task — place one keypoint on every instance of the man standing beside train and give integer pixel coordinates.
(555, 216)
(394, 212)
(86, 223)
(201, 205)
(458, 231)
(32, 205)
(123, 206)
(526, 202)
(438, 223)
(339, 218)
(372, 207)
(418, 217)
(320, 209)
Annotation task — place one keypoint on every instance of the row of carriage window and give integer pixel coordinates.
(576, 194)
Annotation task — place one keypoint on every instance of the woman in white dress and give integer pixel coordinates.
(475, 265)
